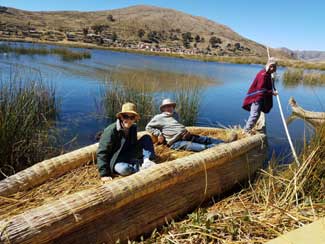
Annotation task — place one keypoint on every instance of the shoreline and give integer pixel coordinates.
(220, 59)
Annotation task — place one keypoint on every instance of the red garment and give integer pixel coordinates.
(260, 90)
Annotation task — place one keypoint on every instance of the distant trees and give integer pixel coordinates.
(141, 33)
(237, 45)
(114, 36)
(187, 39)
(110, 18)
(215, 41)
(85, 31)
(98, 29)
(197, 38)
(154, 36)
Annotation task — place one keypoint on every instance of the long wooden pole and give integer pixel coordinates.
(284, 122)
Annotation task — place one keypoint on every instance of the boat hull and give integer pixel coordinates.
(133, 205)
(314, 118)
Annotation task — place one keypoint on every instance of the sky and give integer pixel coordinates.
(297, 25)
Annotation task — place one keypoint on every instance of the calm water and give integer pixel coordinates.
(78, 84)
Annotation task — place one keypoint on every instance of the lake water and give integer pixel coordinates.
(78, 84)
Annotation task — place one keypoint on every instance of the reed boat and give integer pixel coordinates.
(128, 207)
(315, 118)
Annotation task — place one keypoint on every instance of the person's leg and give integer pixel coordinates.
(188, 145)
(125, 169)
(205, 140)
(253, 116)
(147, 147)
(148, 152)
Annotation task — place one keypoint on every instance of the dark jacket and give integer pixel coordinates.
(260, 90)
(111, 144)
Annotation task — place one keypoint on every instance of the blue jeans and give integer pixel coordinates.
(196, 144)
(254, 115)
(133, 165)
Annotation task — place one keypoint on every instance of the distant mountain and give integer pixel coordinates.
(313, 56)
(133, 27)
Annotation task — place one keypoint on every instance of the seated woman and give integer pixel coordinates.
(119, 150)
(168, 130)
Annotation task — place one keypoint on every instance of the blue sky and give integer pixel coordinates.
(298, 25)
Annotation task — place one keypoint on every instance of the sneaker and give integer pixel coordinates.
(147, 163)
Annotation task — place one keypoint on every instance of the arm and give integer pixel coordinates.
(267, 83)
(176, 116)
(154, 126)
(104, 153)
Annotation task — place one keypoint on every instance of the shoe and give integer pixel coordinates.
(147, 163)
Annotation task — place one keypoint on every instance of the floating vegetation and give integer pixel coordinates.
(295, 77)
(65, 53)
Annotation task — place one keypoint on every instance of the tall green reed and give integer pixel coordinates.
(295, 77)
(148, 95)
(187, 97)
(115, 94)
(28, 109)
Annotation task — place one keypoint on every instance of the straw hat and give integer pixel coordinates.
(166, 102)
(129, 108)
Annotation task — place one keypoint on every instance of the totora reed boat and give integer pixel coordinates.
(315, 118)
(128, 207)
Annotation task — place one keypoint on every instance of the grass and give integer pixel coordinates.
(64, 53)
(186, 94)
(28, 109)
(295, 77)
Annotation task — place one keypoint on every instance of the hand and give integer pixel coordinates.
(161, 139)
(106, 179)
(275, 93)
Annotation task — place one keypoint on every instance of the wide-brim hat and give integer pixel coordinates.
(129, 108)
(166, 102)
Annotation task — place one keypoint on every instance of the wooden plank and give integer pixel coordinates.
(313, 233)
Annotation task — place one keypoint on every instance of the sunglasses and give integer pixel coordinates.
(125, 116)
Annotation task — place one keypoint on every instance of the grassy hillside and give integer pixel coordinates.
(137, 27)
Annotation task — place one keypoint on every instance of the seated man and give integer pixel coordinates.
(167, 128)
(119, 150)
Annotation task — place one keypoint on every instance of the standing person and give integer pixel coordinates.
(168, 130)
(119, 150)
(259, 96)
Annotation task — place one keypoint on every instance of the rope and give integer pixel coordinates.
(284, 123)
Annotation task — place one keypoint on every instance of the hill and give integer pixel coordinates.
(137, 27)
(313, 56)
